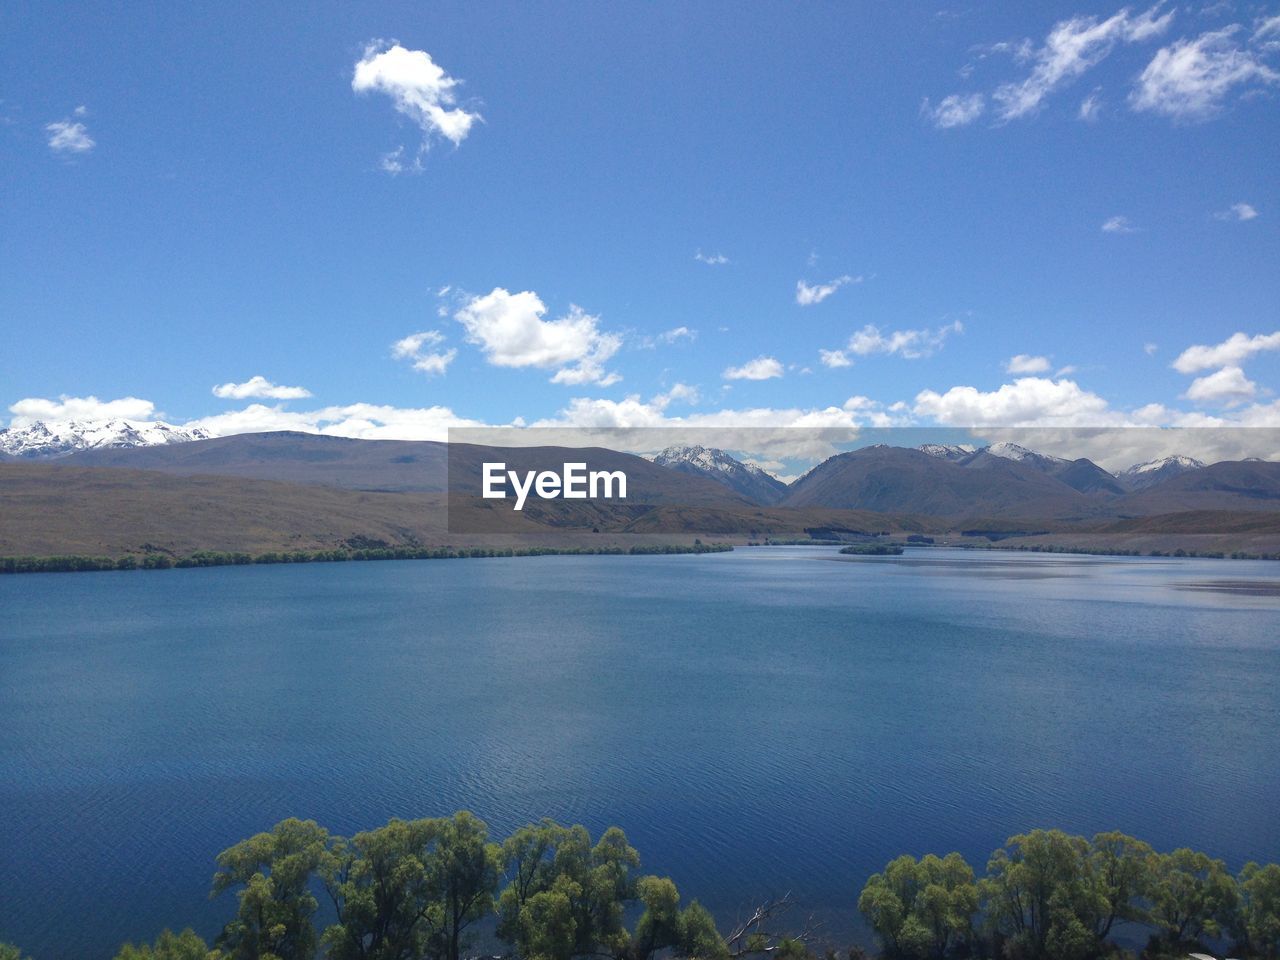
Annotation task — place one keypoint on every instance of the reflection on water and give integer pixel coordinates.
(758, 722)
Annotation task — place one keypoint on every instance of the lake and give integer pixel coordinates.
(769, 720)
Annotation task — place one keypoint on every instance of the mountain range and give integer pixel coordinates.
(56, 439)
(128, 489)
(50, 439)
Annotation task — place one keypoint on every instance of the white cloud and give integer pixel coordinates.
(70, 136)
(809, 434)
(665, 338)
(679, 393)
(420, 90)
(259, 387)
(677, 333)
(27, 410)
(1025, 363)
(834, 358)
(1028, 401)
(509, 329)
(367, 421)
(956, 110)
(1090, 108)
(1119, 224)
(1150, 349)
(1191, 79)
(1073, 47)
(911, 344)
(1230, 353)
(1237, 211)
(1228, 387)
(418, 348)
(711, 259)
(807, 294)
(761, 368)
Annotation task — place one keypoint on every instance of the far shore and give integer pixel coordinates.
(887, 549)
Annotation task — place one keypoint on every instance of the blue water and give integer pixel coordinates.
(770, 720)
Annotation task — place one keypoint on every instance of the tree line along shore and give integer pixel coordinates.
(73, 563)
(159, 560)
(430, 889)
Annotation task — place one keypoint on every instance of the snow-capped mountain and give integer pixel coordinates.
(948, 451)
(1143, 475)
(1012, 451)
(744, 478)
(48, 439)
(964, 452)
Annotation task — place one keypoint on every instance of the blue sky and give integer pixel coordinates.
(197, 196)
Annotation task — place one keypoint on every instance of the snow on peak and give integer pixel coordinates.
(1012, 451)
(948, 451)
(708, 459)
(1178, 462)
(58, 438)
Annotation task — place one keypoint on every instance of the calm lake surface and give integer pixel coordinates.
(770, 720)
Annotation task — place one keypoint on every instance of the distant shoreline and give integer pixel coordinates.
(74, 563)
(162, 561)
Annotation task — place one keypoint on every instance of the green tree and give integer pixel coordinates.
(273, 871)
(699, 938)
(921, 908)
(9, 952)
(1258, 923)
(381, 891)
(1192, 896)
(547, 926)
(659, 926)
(565, 897)
(169, 946)
(464, 870)
(1040, 897)
(1120, 870)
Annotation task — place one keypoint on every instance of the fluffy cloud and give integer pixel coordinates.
(1237, 211)
(1119, 224)
(1230, 353)
(259, 387)
(70, 135)
(711, 259)
(679, 393)
(80, 408)
(1073, 47)
(1028, 401)
(420, 90)
(418, 348)
(956, 110)
(509, 329)
(644, 426)
(761, 368)
(834, 358)
(1191, 79)
(1228, 387)
(1025, 363)
(807, 294)
(911, 344)
(366, 421)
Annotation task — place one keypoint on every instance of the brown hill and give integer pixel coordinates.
(290, 457)
(1233, 485)
(48, 510)
(897, 480)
